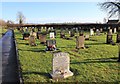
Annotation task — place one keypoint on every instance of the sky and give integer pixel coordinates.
(53, 12)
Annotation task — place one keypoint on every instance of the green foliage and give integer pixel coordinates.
(97, 63)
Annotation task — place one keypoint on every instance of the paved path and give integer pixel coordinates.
(8, 58)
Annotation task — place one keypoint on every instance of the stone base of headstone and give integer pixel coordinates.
(61, 75)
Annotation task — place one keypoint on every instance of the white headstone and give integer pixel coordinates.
(91, 32)
(61, 66)
(97, 32)
(114, 30)
(110, 30)
(69, 32)
(52, 36)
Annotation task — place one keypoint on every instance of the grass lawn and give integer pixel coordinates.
(97, 63)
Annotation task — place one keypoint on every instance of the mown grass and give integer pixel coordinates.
(2, 31)
(97, 63)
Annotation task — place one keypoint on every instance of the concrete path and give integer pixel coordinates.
(8, 59)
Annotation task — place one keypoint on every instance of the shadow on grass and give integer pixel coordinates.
(47, 75)
(34, 50)
(95, 43)
(24, 43)
(102, 60)
(112, 58)
(93, 40)
(75, 71)
(68, 46)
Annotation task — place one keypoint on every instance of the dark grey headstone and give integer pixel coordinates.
(109, 38)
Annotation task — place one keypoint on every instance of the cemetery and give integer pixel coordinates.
(97, 63)
(60, 43)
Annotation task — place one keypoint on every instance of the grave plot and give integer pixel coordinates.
(51, 45)
(61, 68)
(26, 35)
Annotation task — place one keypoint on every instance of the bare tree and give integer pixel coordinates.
(20, 18)
(113, 8)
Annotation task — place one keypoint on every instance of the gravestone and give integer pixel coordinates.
(87, 37)
(51, 45)
(118, 36)
(72, 33)
(32, 40)
(61, 66)
(109, 38)
(33, 33)
(52, 35)
(69, 32)
(26, 29)
(42, 38)
(21, 30)
(97, 32)
(80, 42)
(62, 34)
(114, 30)
(91, 32)
(26, 35)
(38, 34)
(110, 31)
(101, 30)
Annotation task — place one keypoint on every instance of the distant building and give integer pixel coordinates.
(112, 21)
